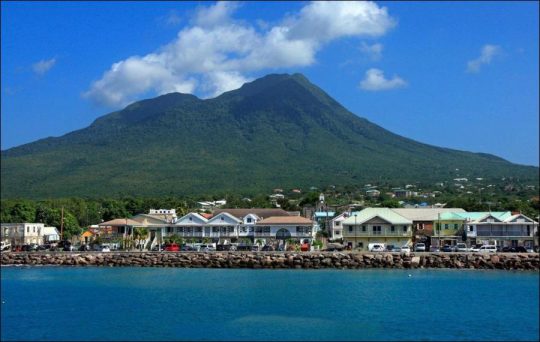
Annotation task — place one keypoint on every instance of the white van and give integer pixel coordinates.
(488, 249)
(376, 247)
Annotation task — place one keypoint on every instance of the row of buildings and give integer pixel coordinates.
(28, 233)
(356, 229)
(434, 227)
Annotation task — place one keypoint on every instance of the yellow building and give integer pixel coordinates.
(376, 225)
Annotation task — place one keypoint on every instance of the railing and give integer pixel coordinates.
(359, 233)
(502, 233)
(221, 234)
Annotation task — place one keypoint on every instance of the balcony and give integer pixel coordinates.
(379, 233)
(502, 233)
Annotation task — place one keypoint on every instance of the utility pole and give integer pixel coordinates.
(62, 226)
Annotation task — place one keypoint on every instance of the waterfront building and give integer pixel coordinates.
(50, 235)
(449, 226)
(283, 228)
(336, 225)
(376, 225)
(508, 230)
(22, 233)
(423, 220)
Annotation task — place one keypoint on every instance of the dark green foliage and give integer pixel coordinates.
(278, 131)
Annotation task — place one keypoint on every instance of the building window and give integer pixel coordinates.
(34, 229)
(377, 230)
(392, 228)
(350, 229)
(28, 229)
(337, 223)
(471, 228)
(404, 228)
(338, 232)
(446, 226)
(455, 225)
(363, 228)
(249, 220)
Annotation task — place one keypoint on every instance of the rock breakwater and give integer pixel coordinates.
(280, 260)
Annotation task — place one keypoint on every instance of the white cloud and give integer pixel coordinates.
(217, 53)
(375, 81)
(486, 56)
(42, 67)
(374, 52)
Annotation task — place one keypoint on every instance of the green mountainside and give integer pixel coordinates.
(277, 131)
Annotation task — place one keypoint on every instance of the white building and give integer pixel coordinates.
(22, 233)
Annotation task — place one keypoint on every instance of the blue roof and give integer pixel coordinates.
(325, 214)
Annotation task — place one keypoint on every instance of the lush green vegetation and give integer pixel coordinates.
(278, 131)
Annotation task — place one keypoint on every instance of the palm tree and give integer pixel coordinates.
(140, 234)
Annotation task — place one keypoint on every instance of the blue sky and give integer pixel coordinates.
(460, 75)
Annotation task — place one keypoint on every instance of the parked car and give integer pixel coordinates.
(521, 249)
(84, 248)
(460, 247)
(390, 248)
(405, 249)
(377, 248)
(434, 249)
(330, 247)
(420, 247)
(474, 248)
(44, 247)
(446, 248)
(207, 248)
(5, 245)
(255, 248)
(105, 249)
(172, 247)
(488, 249)
(267, 248)
(187, 248)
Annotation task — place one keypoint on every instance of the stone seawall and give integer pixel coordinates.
(311, 260)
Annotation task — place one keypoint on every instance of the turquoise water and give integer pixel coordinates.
(60, 303)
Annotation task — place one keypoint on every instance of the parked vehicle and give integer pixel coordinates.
(488, 249)
(420, 247)
(405, 249)
(474, 248)
(5, 245)
(207, 248)
(521, 249)
(187, 248)
(44, 247)
(376, 247)
(267, 248)
(390, 248)
(330, 247)
(172, 247)
(460, 247)
(434, 249)
(446, 248)
(105, 249)
(396, 249)
(84, 248)
(157, 248)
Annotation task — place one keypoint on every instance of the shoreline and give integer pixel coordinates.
(278, 260)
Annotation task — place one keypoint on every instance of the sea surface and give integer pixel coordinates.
(76, 303)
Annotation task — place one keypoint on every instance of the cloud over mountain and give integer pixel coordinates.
(216, 53)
